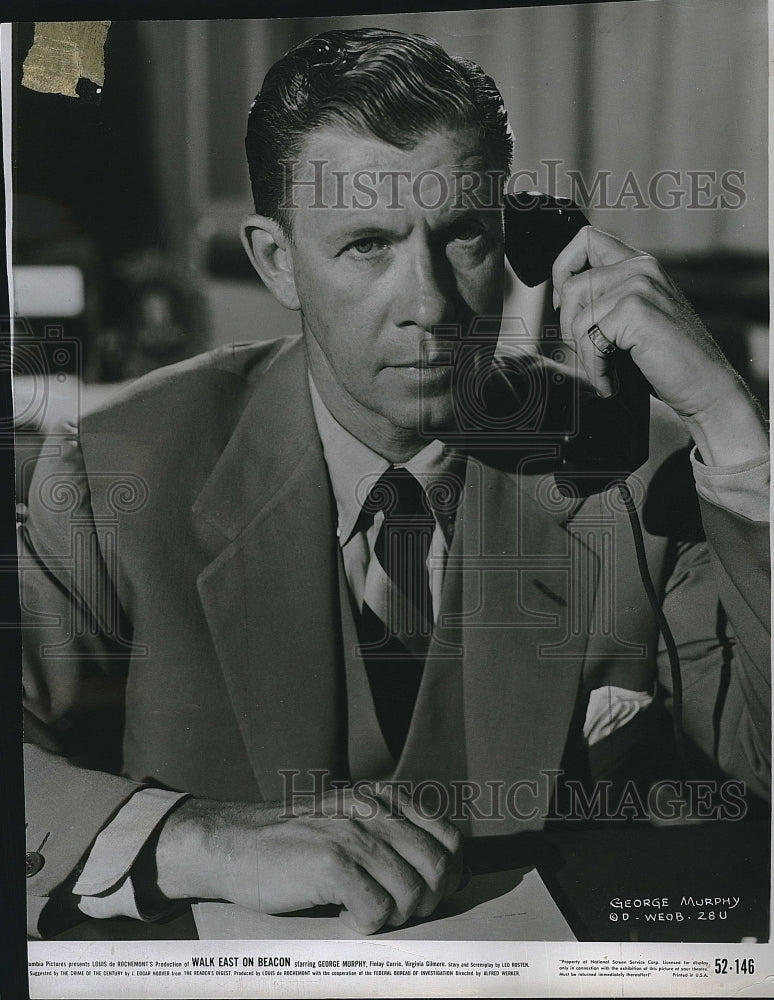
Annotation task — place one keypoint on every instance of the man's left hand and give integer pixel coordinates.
(636, 306)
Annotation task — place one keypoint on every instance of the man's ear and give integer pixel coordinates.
(267, 246)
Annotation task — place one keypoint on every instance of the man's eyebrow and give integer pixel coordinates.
(359, 227)
(390, 224)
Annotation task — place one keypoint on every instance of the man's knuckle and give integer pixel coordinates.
(336, 859)
(415, 889)
(455, 839)
(579, 325)
(559, 275)
(363, 835)
(381, 909)
(441, 869)
(429, 902)
(633, 304)
(573, 287)
(369, 923)
(642, 284)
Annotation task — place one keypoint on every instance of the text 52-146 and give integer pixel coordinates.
(741, 966)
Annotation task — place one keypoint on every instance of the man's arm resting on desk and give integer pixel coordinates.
(373, 854)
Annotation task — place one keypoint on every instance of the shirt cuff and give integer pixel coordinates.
(105, 884)
(742, 489)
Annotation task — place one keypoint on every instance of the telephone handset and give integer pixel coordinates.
(600, 441)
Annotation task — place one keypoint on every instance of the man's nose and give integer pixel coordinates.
(428, 294)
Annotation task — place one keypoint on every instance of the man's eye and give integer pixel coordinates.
(468, 230)
(367, 246)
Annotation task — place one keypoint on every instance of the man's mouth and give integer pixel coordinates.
(424, 364)
(423, 372)
(438, 359)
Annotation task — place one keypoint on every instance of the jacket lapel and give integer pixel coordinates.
(435, 743)
(270, 594)
(369, 756)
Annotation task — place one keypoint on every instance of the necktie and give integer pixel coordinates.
(397, 615)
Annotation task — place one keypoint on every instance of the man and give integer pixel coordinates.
(283, 582)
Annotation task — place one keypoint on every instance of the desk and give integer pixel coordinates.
(641, 862)
(585, 868)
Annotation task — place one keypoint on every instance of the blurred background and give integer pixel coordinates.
(128, 202)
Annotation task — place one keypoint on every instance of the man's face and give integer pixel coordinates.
(393, 249)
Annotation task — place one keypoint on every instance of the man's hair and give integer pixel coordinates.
(388, 84)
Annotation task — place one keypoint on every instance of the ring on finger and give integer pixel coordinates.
(603, 346)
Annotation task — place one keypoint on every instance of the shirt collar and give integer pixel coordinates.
(354, 467)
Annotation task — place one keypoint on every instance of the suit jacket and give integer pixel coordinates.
(188, 625)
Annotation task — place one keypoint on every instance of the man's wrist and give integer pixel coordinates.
(180, 862)
(732, 433)
(190, 858)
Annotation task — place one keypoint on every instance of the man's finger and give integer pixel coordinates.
(442, 829)
(595, 355)
(405, 885)
(450, 837)
(599, 364)
(636, 274)
(430, 843)
(367, 905)
(414, 867)
(424, 852)
(589, 248)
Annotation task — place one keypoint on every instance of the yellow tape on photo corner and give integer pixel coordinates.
(62, 53)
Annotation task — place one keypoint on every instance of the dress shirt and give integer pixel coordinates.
(105, 884)
(354, 468)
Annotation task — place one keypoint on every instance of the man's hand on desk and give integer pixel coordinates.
(376, 856)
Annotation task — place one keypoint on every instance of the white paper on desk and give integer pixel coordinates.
(503, 906)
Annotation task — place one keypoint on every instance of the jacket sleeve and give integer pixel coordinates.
(717, 603)
(75, 653)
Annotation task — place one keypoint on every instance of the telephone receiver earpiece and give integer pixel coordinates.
(600, 441)
(537, 228)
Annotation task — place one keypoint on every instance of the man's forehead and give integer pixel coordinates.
(340, 168)
(362, 149)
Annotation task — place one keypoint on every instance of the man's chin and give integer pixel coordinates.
(429, 415)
